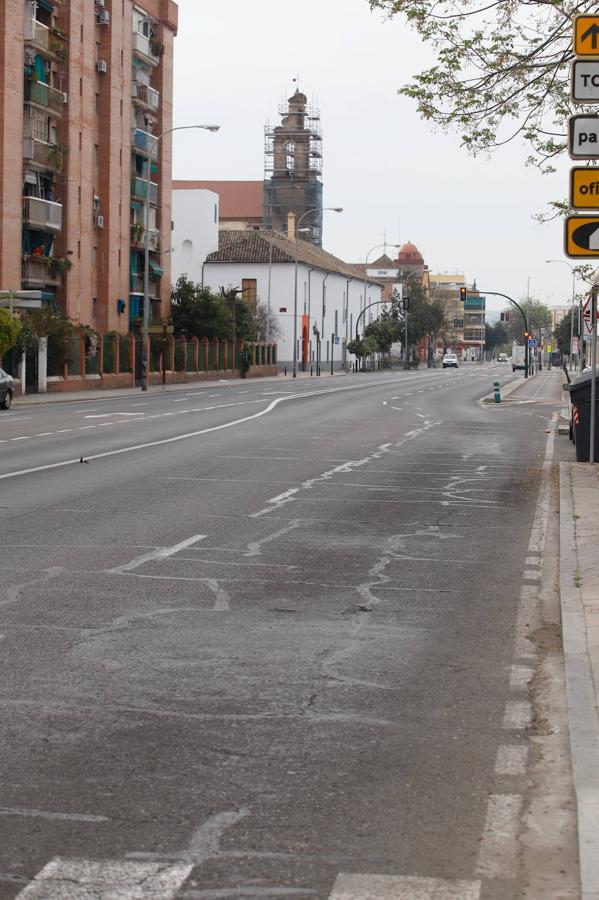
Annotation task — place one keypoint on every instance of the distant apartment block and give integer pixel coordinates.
(85, 87)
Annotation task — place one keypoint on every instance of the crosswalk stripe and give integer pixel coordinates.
(84, 879)
(406, 887)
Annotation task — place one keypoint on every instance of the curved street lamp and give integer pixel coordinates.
(145, 367)
(337, 209)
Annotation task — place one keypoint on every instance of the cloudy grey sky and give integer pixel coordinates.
(235, 62)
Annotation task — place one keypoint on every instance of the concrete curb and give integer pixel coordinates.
(583, 720)
(506, 389)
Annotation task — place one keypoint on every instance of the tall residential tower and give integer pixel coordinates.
(84, 85)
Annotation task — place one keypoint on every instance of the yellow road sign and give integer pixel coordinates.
(581, 236)
(584, 188)
(586, 35)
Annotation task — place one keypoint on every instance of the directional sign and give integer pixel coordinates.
(586, 35)
(584, 188)
(584, 137)
(581, 236)
(532, 342)
(584, 82)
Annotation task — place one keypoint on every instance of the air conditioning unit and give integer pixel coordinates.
(99, 2)
(99, 221)
(101, 65)
(103, 16)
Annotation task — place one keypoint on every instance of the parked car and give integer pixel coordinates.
(7, 387)
(502, 358)
(450, 360)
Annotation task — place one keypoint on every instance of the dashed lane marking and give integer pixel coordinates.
(498, 853)
(155, 555)
(84, 879)
(511, 760)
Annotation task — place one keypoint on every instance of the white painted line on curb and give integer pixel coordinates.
(398, 887)
(498, 853)
(83, 879)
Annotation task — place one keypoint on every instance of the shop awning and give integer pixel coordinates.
(155, 269)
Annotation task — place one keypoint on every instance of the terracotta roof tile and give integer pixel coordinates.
(255, 246)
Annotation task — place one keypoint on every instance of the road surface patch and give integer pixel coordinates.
(397, 887)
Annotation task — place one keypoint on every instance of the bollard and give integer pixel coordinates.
(285, 370)
(496, 392)
(311, 372)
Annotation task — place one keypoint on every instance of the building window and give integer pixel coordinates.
(249, 288)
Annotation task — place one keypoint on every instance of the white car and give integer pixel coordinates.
(450, 360)
(502, 358)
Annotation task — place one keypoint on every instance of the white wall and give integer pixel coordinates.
(195, 231)
(310, 302)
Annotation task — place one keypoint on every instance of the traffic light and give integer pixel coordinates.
(526, 335)
(463, 294)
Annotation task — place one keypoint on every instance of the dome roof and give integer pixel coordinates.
(410, 255)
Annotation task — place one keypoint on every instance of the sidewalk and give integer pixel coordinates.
(190, 386)
(579, 596)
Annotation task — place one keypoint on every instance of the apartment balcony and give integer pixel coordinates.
(146, 96)
(138, 238)
(46, 96)
(50, 156)
(474, 335)
(50, 42)
(37, 274)
(139, 189)
(145, 142)
(44, 215)
(475, 303)
(145, 49)
(136, 284)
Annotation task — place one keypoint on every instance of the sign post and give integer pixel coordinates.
(593, 374)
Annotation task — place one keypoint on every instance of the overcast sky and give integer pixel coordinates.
(235, 62)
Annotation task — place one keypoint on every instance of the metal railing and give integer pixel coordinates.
(49, 155)
(37, 33)
(45, 95)
(141, 44)
(145, 141)
(139, 187)
(43, 214)
(146, 94)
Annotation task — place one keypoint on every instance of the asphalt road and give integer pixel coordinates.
(259, 643)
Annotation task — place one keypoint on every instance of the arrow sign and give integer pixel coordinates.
(586, 35)
(581, 236)
(584, 137)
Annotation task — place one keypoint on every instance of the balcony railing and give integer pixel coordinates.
(475, 303)
(136, 284)
(37, 33)
(474, 334)
(138, 237)
(144, 46)
(143, 140)
(146, 94)
(43, 214)
(139, 189)
(45, 95)
(35, 272)
(49, 155)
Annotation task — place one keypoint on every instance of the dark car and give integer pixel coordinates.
(7, 387)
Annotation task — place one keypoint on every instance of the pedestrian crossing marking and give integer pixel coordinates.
(84, 879)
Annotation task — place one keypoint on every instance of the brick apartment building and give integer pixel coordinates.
(84, 85)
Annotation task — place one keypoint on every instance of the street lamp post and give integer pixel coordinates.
(337, 209)
(572, 312)
(145, 367)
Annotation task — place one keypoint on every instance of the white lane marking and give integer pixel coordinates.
(222, 600)
(24, 437)
(532, 561)
(64, 430)
(518, 715)
(108, 415)
(498, 855)
(180, 400)
(511, 760)
(84, 878)
(191, 434)
(132, 405)
(46, 814)
(421, 416)
(155, 555)
(398, 408)
(519, 677)
(254, 548)
(398, 887)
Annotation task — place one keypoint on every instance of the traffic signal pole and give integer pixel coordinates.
(523, 314)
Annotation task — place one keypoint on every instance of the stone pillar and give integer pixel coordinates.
(23, 374)
(42, 365)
